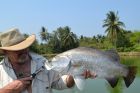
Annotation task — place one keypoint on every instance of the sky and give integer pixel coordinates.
(84, 17)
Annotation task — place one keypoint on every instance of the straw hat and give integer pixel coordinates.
(13, 40)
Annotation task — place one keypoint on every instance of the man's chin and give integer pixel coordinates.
(21, 62)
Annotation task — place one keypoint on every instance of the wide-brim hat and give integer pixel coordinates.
(13, 40)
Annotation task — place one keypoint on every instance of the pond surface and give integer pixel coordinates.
(102, 86)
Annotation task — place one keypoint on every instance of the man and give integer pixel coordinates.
(24, 72)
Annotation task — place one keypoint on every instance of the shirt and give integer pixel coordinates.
(44, 81)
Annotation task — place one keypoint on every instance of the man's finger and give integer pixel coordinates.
(26, 78)
(27, 82)
(93, 75)
(84, 73)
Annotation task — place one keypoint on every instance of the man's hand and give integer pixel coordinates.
(70, 81)
(18, 85)
(87, 74)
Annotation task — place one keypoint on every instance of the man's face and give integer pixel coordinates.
(20, 56)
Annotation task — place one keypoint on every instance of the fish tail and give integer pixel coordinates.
(113, 81)
(132, 70)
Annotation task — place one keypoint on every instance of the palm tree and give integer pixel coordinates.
(63, 39)
(44, 35)
(114, 26)
(55, 42)
(69, 39)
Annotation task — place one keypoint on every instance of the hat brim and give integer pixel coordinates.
(22, 45)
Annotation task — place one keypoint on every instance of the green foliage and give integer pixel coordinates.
(124, 49)
(63, 38)
(95, 41)
(136, 47)
(135, 37)
(123, 40)
(35, 47)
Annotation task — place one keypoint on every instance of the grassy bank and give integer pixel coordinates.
(129, 53)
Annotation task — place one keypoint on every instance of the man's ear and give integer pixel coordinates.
(5, 52)
(2, 52)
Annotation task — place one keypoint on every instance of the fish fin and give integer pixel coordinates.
(69, 66)
(80, 82)
(66, 69)
(113, 54)
(130, 76)
(113, 81)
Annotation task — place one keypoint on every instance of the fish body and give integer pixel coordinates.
(106, 64)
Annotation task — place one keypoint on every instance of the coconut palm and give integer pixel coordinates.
(55, 42)
(63, 39)
(114, 26)
(69, 39)
(44, 35)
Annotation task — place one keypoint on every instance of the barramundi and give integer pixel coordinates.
(106, 64)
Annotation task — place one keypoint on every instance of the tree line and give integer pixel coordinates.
(62, 39)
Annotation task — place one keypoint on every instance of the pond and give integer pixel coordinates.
(101, 85)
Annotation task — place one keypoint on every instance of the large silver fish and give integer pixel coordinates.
(106, 64)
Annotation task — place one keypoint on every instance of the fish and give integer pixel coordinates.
(106, 65)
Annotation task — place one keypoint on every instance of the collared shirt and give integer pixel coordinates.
(44, 81)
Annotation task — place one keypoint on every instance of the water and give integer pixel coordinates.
(101, 85)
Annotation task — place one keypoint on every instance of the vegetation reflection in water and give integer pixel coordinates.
(101, 86)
